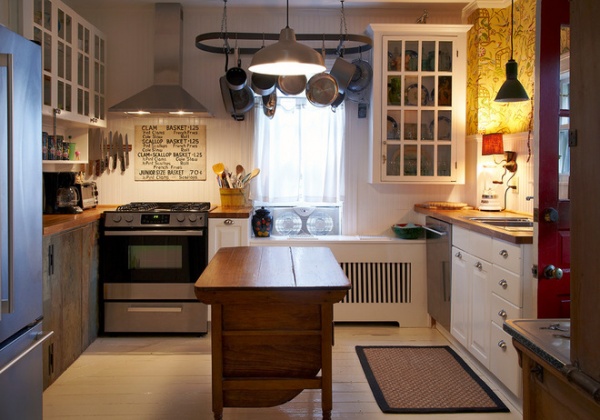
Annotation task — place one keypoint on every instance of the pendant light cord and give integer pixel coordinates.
(287, 14)
(512, 20)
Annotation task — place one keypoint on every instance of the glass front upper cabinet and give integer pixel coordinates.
(419, 104)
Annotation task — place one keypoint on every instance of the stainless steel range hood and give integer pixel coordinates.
(165, 96)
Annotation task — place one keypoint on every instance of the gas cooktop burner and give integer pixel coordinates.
(165, 207)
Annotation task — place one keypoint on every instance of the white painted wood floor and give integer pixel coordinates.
(156, 378)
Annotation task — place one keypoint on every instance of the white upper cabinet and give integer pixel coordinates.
(73, 62)
(418, 103)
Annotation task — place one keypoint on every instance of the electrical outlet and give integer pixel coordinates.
(514, 185)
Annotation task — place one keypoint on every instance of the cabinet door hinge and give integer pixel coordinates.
(51, 259)
(51, 359)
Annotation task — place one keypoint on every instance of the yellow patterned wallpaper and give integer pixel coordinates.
(488, 52)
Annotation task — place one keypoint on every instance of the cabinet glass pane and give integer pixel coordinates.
(86, 71)
(68, 29)
(395, 56)
(47, 52)
(96, 47)
(96, 106)
(428, 56)
(86, 41)
(47, 90)
(427, 159)
(38, 36)
(96, 77)
(412, 93)
(68, 64)
(86, 103)
(445, 56)
(393, 160)
(411, 56)
(80, 101)
(102, 114)
(80, 69)
(393, 124)
(410, 160)
(444, 95)
(37, 12)
(101, 79)
(102, 51)
(80, 37)
(61, 59)
(410, 125)
(68, 101)
(444, 126)
(48, 15)
(61, 24)
(427, 90)
(444, 167)
(427, 125)
(394, 90)
(60, 92)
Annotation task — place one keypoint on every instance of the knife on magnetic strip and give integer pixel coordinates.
(120, 152)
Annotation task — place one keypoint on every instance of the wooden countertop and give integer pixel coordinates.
(231, 212)
(56, 223)
(460, 218)
(274, 269)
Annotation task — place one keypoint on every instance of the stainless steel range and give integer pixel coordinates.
(150, 257)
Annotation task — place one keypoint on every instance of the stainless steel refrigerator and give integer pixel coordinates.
(21, 331)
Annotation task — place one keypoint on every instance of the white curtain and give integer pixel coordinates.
(300, 153)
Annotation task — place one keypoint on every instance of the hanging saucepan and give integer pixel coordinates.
(270, 104)
(343, 72)
(263, 84)
(322, 88)
(291, 85)
(243, 101)
(363, 74)
(236, 76)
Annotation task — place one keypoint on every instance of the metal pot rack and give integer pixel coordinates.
(365, 43)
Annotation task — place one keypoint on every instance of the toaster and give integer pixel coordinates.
(88, 195)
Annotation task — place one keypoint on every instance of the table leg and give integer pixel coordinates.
(217, 359)
(326, 359)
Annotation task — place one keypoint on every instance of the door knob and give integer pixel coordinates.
(550, 215)
(552, 272)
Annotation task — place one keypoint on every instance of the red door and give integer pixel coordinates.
(553, 211)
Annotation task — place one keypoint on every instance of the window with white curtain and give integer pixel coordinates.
(300, 154)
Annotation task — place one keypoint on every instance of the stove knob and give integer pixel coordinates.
(192, 218)
(116, 218)
(180, 218)
(128, 218)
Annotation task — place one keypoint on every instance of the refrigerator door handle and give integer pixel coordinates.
(6, 243)
(39, 339)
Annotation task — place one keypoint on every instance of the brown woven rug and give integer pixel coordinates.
(425, 380)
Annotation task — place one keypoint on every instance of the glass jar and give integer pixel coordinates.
(262, 223)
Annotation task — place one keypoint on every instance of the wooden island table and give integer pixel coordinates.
(271, 323)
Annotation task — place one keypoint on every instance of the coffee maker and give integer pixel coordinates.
(60, 193)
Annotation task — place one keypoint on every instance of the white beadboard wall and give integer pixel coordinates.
(369, 209)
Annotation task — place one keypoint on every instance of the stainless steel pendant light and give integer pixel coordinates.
(287, 57)
(512, 90)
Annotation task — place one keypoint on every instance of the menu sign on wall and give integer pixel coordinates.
(170, 153)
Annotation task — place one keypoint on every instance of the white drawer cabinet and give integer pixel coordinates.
(227, 232)
(490, 284)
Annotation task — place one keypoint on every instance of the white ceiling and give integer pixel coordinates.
(282, 3)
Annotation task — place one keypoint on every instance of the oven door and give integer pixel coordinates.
(154, 256)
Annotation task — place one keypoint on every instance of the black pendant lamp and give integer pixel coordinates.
(511, 90)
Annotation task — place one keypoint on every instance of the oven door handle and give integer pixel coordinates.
(154, 233)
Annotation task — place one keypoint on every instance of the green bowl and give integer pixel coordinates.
(408, 230)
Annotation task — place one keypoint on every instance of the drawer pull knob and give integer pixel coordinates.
(502, 313)
(502, 344)
(504, 253)
(478, 265)
(228, 222)
(503, 283)
(458, 255)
